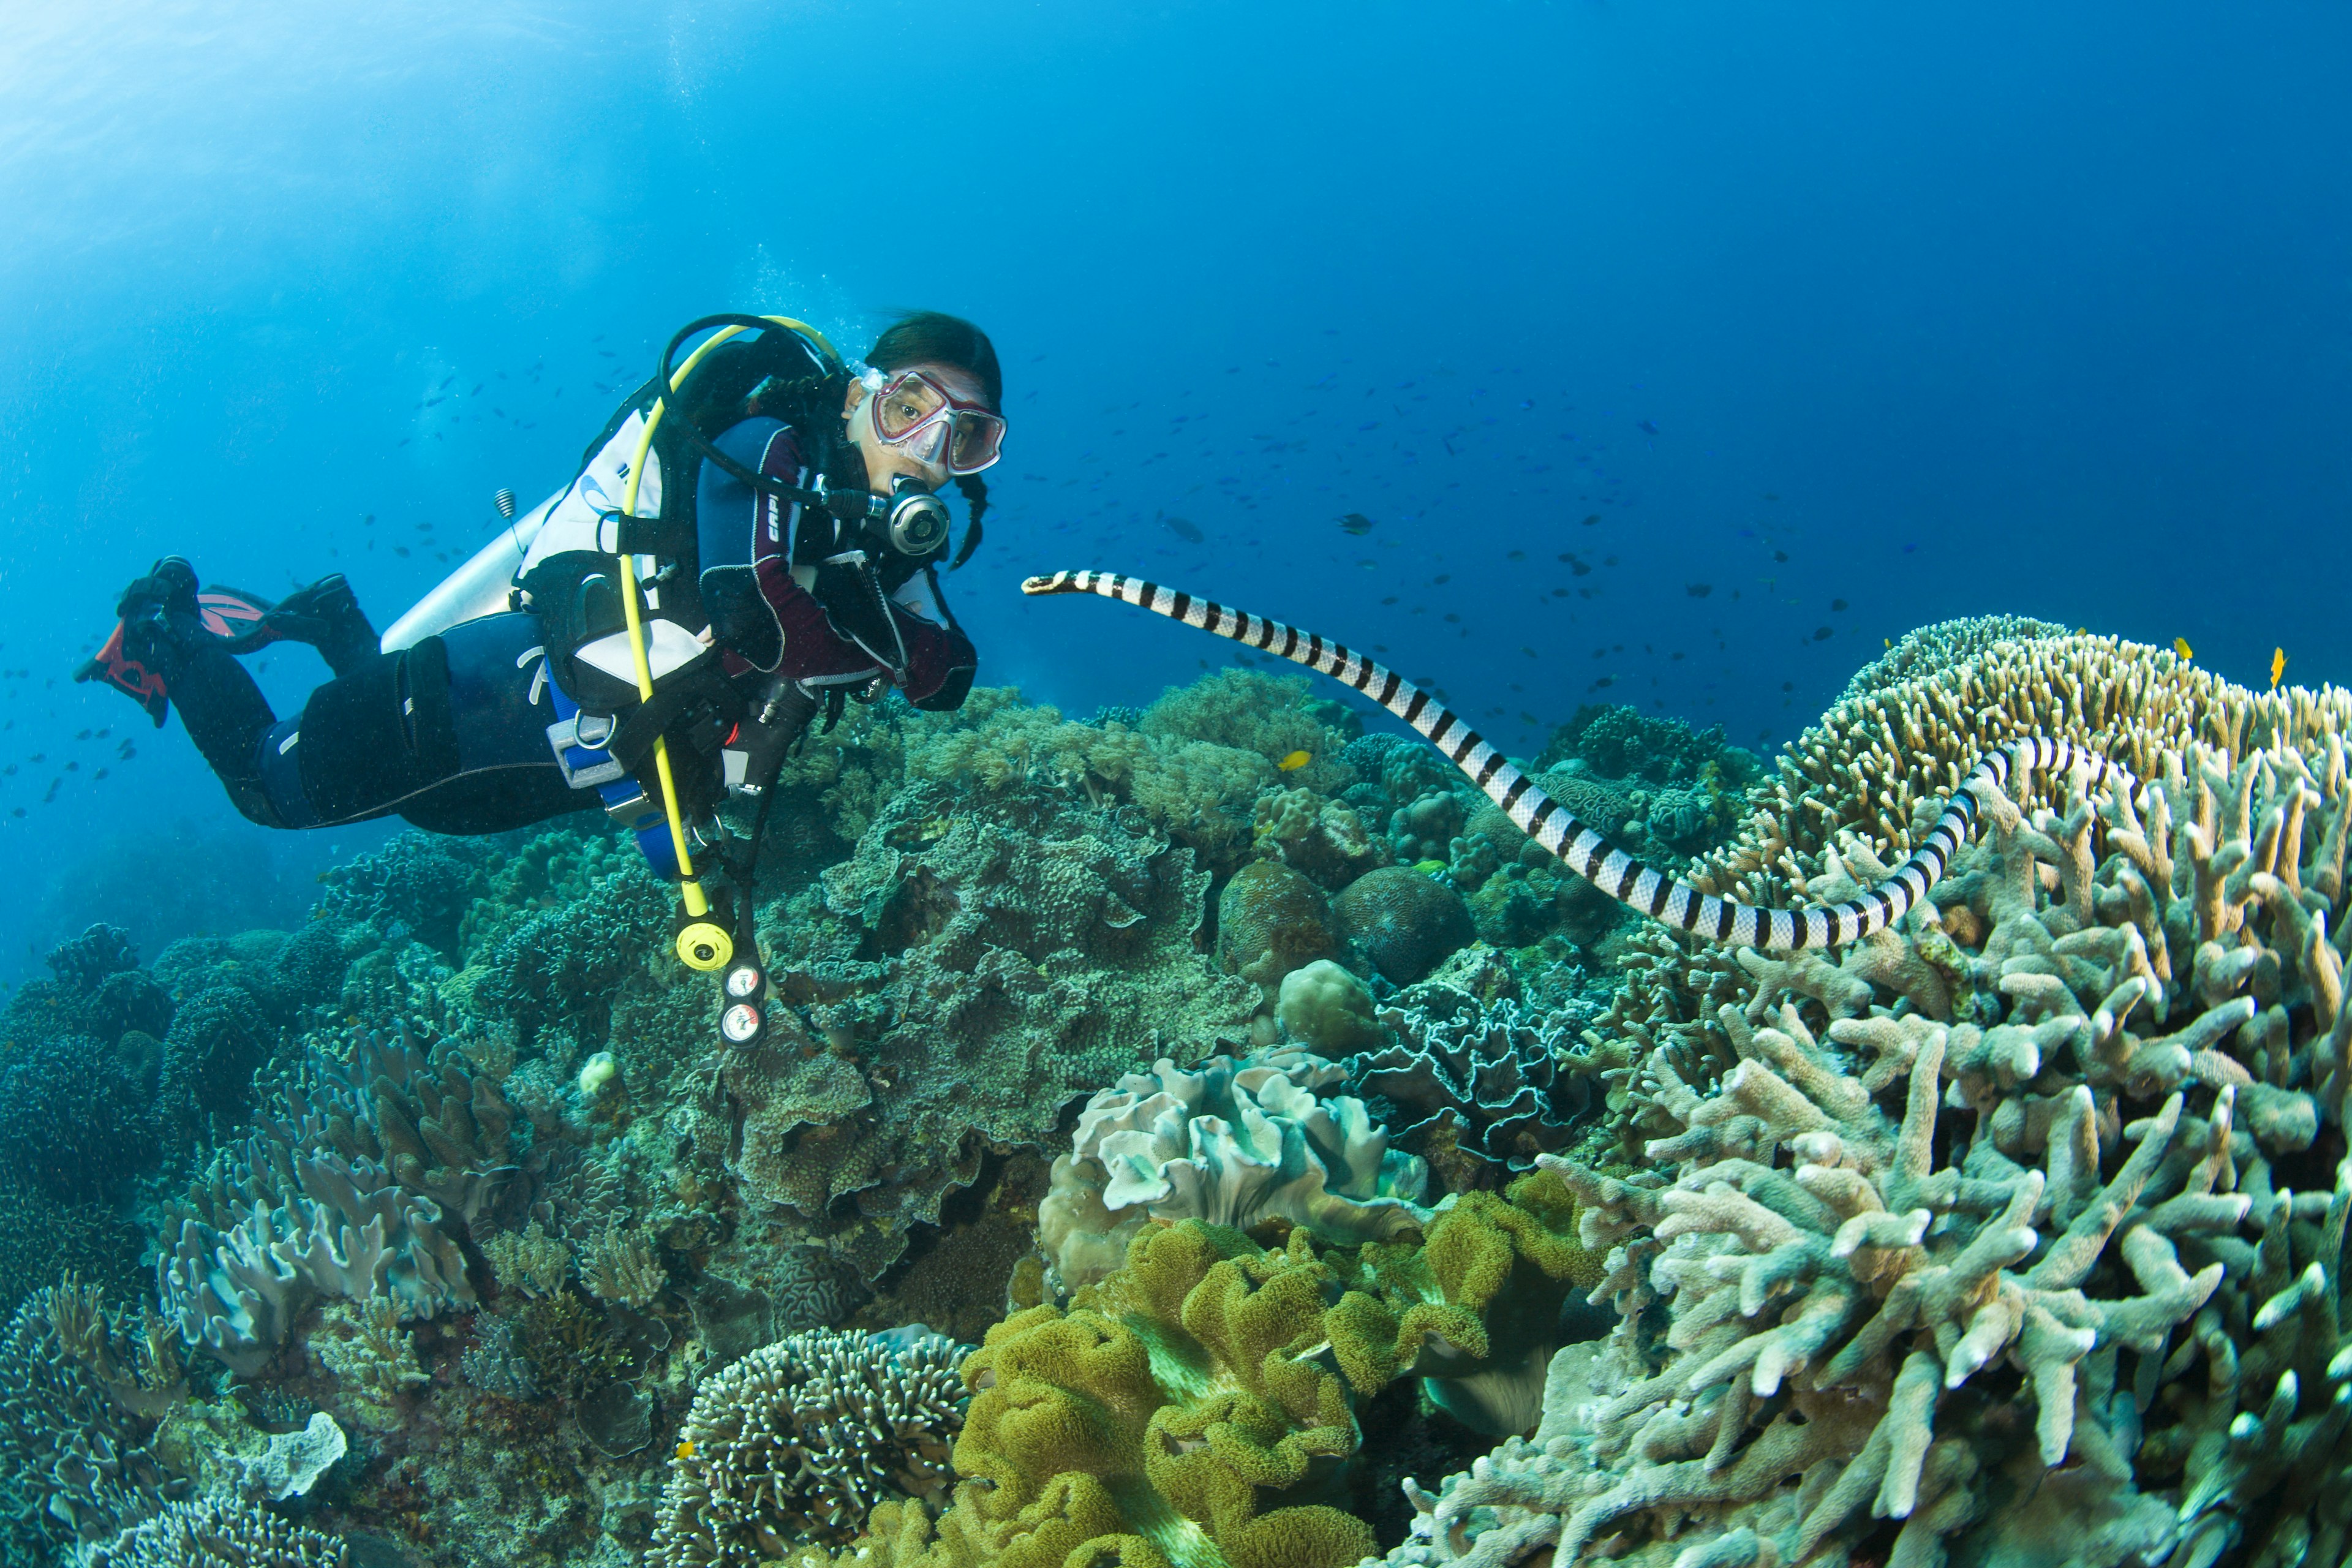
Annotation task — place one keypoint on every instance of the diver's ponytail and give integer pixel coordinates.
(975, 495)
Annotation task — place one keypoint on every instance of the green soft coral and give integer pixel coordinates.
(1474, 1311)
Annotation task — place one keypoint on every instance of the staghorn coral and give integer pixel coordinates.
(2033, 1138)
(528, 1261)
(1016, 963)
(361, 1346)
(800, 1440)
(211, 1533)
(620, 1265)
(1237, 1143)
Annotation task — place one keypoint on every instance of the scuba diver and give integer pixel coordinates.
(752, 540)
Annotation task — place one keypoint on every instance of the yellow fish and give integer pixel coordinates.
(1887, 642)
(2181, 646)
(2278, 665)
(1295, 760)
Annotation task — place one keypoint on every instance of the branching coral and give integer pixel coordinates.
(800, 1439)
(1236, 1143)
(1956, 1217)
(217, 1534)
(75, 1460)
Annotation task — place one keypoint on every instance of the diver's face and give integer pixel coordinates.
(884, 461)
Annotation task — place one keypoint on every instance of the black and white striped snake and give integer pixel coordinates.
(1582, 848)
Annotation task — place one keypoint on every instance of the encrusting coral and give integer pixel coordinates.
(800, 1439)
(1238, 1142)
(965, 977)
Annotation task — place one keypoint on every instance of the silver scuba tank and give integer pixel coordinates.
(580, 516)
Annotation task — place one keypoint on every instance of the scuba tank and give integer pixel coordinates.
(484, 586)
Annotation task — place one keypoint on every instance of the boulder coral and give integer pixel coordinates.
(1406, 923)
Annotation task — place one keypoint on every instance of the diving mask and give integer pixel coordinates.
(923, 419)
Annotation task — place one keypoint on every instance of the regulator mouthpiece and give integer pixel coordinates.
(918, 518)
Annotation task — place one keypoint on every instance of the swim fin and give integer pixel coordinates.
(163, 605)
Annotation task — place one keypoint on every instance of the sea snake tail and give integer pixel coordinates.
(1582, 848)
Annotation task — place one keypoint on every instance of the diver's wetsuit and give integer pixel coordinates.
(451, 733)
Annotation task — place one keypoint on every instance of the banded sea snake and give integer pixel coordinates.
(1579, 846)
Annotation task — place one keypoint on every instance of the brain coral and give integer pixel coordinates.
(800, 1439)
(1406, 923)
(1271, 920)
(1005, 964)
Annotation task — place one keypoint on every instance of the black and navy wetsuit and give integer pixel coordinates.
(452, 733)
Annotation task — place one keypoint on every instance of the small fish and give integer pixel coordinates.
(1886, 643)
(1647, 428)
(1590, 520)
(1185, 530)
(1836, 605)
(2181, 646)
(2278, 665)
(1356, 522)
(1698, 590)
(1295, 760)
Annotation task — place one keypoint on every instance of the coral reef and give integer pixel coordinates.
(1981, 1240)
(77, 1411)
(1238, 1142)
(1272, 920)
(76, 1120)
(1204, 1397)
(214, 1534)
(799, 1441)
(964, 978)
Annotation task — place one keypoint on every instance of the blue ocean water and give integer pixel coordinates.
(1676, 354)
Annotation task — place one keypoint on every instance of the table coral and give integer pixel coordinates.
(802, 1438)
(1237, 1143)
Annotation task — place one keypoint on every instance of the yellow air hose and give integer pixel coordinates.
(702, 942)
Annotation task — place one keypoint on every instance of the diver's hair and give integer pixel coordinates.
(929, 336)
(975, 496)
